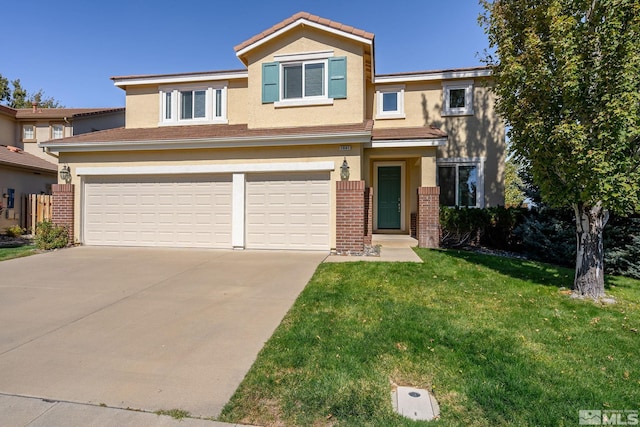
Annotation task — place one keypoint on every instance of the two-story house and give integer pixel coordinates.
(257, 157)
(26, 168)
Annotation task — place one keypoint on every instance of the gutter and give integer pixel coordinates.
(361, 137)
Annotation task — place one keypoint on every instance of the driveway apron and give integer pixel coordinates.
(142, 328)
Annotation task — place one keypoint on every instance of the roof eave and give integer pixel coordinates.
(301, 21)
(435, 75)
(360, 137)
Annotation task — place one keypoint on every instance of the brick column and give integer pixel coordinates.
(62, 209)
(428, 221)
(350, 219)
(368, 215)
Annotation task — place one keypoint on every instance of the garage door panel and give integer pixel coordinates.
(288, 211)
(192, 211)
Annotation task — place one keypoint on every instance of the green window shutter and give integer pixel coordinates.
(338, 77)
(270, 82)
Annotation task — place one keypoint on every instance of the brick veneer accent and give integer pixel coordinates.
(428, 221)
(368, 216)
(62, 209)
(350, 216)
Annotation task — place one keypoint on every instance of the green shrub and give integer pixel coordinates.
(548, 235)
(15, 231)
(462, 226)
(498, 232)
(622, 246)
(51, 236)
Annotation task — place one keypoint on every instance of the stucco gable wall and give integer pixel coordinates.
(304, 40)
(8, 130)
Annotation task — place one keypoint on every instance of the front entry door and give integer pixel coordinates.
(389, 187)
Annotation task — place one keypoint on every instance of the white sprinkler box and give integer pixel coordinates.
(415, 403)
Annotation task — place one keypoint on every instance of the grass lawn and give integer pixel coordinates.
(497, 341)
(17, 252)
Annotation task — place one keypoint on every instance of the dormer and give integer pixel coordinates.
(307, 71)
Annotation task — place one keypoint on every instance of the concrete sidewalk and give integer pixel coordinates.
(34, 412)
(393, 248)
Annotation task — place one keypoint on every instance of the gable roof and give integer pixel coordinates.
(303, 18)
(8, 110)
(13, 156)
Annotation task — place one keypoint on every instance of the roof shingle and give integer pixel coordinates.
(422, 132)
(13, 156)
(61, 113)
(178, 133)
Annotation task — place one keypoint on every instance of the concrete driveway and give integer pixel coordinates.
(142, 328)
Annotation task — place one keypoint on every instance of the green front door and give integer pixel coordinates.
(389, 185)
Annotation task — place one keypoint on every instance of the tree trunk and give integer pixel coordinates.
(589, 279)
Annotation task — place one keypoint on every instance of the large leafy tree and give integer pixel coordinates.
(567, 78)
(18, 97)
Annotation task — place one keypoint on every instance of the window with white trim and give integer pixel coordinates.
(390, 102)
(193, 104)
(57, 131)
(28, 132)
(461, 182)
(458, 98)
(303, 80)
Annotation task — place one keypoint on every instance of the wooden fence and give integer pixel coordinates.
(37, 208)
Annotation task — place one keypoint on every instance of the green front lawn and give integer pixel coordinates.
(497, 341)
(17, 252)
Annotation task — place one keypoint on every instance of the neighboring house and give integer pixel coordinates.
(251, 158)
(36, 125)
(25, 168)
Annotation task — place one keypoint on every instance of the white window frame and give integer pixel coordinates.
(53, 131)
(210, 104)
(33, 132)
(304, 98)
(456, 162)
(399, 113)
(467, 110)
(304, 58)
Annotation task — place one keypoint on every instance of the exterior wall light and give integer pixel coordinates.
(65, 174)
(344, 170)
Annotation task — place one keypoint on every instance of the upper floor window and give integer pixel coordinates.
(304, 79)
(57, 131)
(390, 102)
(461, 182)
(194, 105)
(28, 132)
(458, 98)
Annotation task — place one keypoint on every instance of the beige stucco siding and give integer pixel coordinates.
(8, 131)
(476, 136)
(214, 157)
(143, 103)
(142, 107)
(237, 102)
(305, 40)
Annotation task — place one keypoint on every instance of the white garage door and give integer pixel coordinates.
(192, 211)
(288, 211)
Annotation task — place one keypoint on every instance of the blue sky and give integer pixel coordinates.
(71, 48)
